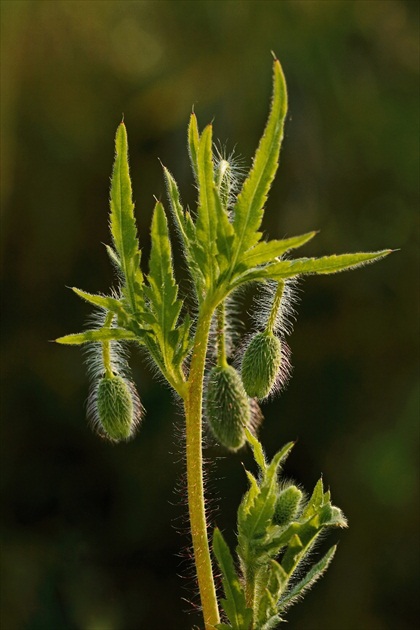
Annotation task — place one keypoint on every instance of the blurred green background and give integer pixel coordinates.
(91, 533)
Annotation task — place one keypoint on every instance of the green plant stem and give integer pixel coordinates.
(221, 337)
(193, 412)
(275, 307)
(106, 348)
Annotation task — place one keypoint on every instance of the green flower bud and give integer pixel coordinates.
(227, 406)
(287, 505)
(116, 407)
(261, 364)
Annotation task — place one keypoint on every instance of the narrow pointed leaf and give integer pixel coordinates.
(105, 302)
(206, 224)
(309, 580)
(163, 290)
(101, 334)
(266, 252)
(249, 207)
(235, 604)
(324, 265)
(193, 143)
(186, 230)
(256, 449)
(122, 222)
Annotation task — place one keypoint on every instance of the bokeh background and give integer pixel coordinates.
(92, 533)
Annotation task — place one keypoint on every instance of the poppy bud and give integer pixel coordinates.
(287, 505)
(227, 405)
(115, 407)
(261, 364)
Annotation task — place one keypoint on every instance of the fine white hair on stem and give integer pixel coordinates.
(233, 327)
(286, 314)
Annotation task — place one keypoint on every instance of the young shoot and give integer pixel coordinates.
(224, 250)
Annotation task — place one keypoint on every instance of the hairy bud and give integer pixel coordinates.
(261, 364)
(116, 407)
(227, 405)
(287, 505)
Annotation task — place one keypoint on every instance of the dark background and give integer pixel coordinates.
(91, 533)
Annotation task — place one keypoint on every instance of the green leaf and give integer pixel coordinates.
(306, 266)
(295, 593)
(271, 579)
(324, 265)
(248, 210)
(206, 224)
(105, 302)
(224, 233)
(122, 222)
(163, 290)
(186, 230)
(193, 143)
(234, 605)
(101, 334)
(257, 450)
(266, 252)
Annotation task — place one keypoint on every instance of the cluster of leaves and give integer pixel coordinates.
(222, 245)
(272, 550)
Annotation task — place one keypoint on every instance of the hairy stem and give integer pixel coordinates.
(275, 307)
(221, 339)
(193, 412)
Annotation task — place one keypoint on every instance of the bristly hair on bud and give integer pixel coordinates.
(114, 409)
(227, 406)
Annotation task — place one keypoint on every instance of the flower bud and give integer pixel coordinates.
(261, 364)
(227, 405)
(287, 505)
(116, 408)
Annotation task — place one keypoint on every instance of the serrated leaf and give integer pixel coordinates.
(105, 302)
(122, 222)
(100, 334)
(308, 581)
(324, 265)
(224, 233)
(257, 449)
(186, 230)
(235, 604)
(163, 290)
(248, 210)
(206, 224)
(316, 500)
(266, 252)
(307, 266)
